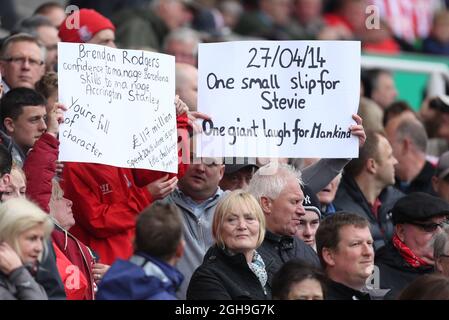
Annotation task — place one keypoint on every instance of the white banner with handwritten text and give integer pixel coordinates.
(120, 107)
(278, 98)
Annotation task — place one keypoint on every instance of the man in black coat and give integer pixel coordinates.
(345, 247)
(417, 218)
(281, 198)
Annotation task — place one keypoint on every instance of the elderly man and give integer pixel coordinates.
(345, 248)
(183, 44)
(417, 218)
(22, 61)
(408, 138)
(278, 190)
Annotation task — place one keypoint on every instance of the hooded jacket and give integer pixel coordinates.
(142, 277)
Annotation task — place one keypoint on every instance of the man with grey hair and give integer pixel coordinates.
(278, 190)
(441, 252)
(183, 44)
(22, 61)
(408, 138)
(42, 28)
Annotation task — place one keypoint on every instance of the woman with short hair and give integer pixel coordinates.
(232, 268)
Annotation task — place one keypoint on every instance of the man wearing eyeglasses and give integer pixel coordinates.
(417, 218)
(22, 62)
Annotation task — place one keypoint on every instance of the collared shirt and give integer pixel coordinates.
(199, 207)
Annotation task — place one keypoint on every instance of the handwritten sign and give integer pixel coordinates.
(120, 107)
(278, 99)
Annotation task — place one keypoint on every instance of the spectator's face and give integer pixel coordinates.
(27, 66)
(188, 89)
(307, 289)
(399, 152)
(278, 10)
(237, 180)
(418, 239)
(49, 37)
(28, 127)
(283, 213)
(31, 244)
(308, 10)
(240, 230)
(327, 195)
(385, 163)
(308, 226)
(174, 13)
(16, 188)
(353, 259)
(61, 210)
(441, 31)
(385, 92)
(56, 16)
(183, 51)
(441, 187)
(104, 37)
(201, 180)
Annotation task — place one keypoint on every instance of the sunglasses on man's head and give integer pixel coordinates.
(430, 226)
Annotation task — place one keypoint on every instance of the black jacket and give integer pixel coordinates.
(394, 272)
(225, 277)
(422, 182)
(350, 198)
(338, 291)
(281, 249)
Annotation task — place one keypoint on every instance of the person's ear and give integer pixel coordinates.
(179, 252)
(5, 180)
(266, 204)
(371, 165)
(222, 169)
(9, 124)
(328, 256)
(400, 231)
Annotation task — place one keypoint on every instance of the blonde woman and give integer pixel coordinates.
(24, 229)
(232, 268)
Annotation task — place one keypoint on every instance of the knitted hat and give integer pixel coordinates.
(90, 23)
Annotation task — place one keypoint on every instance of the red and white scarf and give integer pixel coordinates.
(407, 254)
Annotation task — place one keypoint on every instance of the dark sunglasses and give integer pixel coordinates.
(429, 227)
